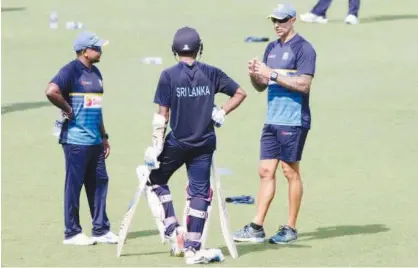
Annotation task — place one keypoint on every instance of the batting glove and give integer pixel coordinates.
(150, 158)
(218, 116)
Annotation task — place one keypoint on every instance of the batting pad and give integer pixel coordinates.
(157, 211)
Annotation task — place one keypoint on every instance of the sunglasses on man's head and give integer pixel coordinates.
(96, 48)
(274, 20)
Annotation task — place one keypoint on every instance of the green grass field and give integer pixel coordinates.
(360, 162)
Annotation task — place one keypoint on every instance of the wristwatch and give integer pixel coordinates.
(106, 136)
(273, 76)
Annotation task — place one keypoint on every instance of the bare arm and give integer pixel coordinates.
(259, 82)
(159, 122)
(301, 84)
(54, 95)
(105, 139)
(102, 128)
(234, 101)
(159, 126)
(164, 111)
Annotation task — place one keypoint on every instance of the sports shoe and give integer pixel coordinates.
(249, 234)
(108, 238)
(312, 18)
(285, 235)
(203, 256)
(351, 19)
(79, 240)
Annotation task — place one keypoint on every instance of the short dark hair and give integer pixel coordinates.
(192, 54)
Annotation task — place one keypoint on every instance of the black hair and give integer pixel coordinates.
(192, 54)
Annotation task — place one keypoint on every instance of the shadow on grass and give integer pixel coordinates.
(11, 9)
(343, 230)
(319, 233)
(143, 233)
(166, 252)
(250, 248)
(381, 18)
(23, 106)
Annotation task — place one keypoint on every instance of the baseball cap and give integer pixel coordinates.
(186, 39)
(88, 39)
(283, 11)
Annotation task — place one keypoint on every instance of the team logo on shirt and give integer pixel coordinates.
(92, 101)
(285, 56)
(85, 82)
(286, 133)
(198, 91)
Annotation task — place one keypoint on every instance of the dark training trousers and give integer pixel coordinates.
(199, 194)
(85, 164)
(320, 9)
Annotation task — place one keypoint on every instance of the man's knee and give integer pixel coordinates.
(291, 171)
(267, 169)
(199, 172)
(157, 177)
(201, 191)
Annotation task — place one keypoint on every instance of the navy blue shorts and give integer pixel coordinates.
(198, 161)
(282, 142)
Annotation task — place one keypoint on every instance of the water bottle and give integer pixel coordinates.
(152, 60)
(70, 25)
(73, 25)
(53, 20)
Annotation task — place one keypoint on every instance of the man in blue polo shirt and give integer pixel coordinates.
(287, 71)
(185, 96)
(77, 90)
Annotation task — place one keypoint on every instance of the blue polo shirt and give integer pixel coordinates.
(189, 91)
(82, 88)
(293, 58)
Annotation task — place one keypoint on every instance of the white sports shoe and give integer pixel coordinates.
(108, 238)
(351, 19)
(193, 257)
(312, 18)
(79, 240)
(203, 256)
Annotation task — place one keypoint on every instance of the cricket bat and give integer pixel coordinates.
(142, 174)
(223, 214)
